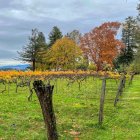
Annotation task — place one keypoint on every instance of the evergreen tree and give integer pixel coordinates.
(41, 42)
(31, 53)
(138, 8)
(137, 32)
(137, 38)
(54, 35)
(137, 61)
(128, 38)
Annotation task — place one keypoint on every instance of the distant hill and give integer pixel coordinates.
(15, 67)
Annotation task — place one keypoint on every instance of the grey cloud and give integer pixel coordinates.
(4, 54)
(17, 18)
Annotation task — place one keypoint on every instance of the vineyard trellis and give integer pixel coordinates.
(44, 91)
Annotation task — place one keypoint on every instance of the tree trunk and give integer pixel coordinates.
(33, 65)
(44, 94)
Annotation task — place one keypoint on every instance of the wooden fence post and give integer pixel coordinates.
(131, 78)
(120, 89)
(44, 94)
(30, 90)
(102, 99)
(123, 83)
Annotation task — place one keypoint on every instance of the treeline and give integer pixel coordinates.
(97, 50)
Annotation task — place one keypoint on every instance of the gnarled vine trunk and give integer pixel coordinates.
(44, 94)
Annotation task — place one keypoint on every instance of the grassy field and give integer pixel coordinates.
(76, 112)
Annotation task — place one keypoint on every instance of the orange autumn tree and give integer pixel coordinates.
(65, 54)
(100, 45)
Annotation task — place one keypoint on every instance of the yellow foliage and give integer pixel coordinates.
(65, 54)
(12, 75)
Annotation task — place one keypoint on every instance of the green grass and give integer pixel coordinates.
(76, 111)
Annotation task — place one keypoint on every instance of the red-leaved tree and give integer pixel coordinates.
(100, 45)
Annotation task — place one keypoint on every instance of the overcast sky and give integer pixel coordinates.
(18, 17)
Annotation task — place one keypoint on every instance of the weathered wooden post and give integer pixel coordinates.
(120, 89)
(30, 90)
(44, 94)
(123, 83)
(131, 78)
(102, 99)
(4, 83)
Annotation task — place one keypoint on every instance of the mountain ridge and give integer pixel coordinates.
(15, 67)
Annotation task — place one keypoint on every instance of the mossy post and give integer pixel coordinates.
(102, 99)
(44, 94)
